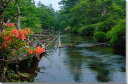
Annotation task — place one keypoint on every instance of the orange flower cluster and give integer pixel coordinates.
(9, 36)
(4, 44)
(21, 34)
(8, 24)
(13, 41)
(37, 51)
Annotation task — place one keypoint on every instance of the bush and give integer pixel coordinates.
(117, 35)
(100, 36)
(14, 42)
(87, 30)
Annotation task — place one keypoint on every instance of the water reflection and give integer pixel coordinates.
(74, 61)
(102, 71)
(81, 63)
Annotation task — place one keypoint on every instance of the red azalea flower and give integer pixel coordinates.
(15, 32)
(22, 36)
(22, 31)
(39, 50)
(7, 38)
(28, 30)
(4, 44)
(30, 51)
(11, 24)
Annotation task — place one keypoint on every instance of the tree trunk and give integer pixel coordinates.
(18, 18)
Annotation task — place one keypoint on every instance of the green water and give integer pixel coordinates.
(82, 63)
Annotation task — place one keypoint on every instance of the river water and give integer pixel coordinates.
(83, 63)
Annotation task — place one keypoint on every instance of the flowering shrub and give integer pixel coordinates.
(8, 24)
(13, 42)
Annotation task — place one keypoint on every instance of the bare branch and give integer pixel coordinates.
(9, 20)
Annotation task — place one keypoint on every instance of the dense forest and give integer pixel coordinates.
(104, 20)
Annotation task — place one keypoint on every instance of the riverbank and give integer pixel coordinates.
(119, 49)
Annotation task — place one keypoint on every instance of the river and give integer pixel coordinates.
(83, 63)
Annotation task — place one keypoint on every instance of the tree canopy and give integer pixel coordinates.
(84, 17)
(88, 17)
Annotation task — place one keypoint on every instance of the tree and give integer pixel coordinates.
(88, 17)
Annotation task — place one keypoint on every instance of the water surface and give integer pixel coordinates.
(83, 63)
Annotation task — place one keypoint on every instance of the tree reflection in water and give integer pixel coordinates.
(75, 62)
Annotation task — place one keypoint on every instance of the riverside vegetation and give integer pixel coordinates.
(103, 20)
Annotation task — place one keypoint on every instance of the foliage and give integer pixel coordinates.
(14, 42)
(84, 17)
(89, 17)
(87, 30)
(68, 28)
(100, 36)
(106, 25)
(13, 76)
(37, 18)
(117, 34)
(47, 16)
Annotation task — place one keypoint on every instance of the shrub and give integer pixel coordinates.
(89, 30)
(14, 42)
(86, 30)
(100, 36)
(117, 35)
